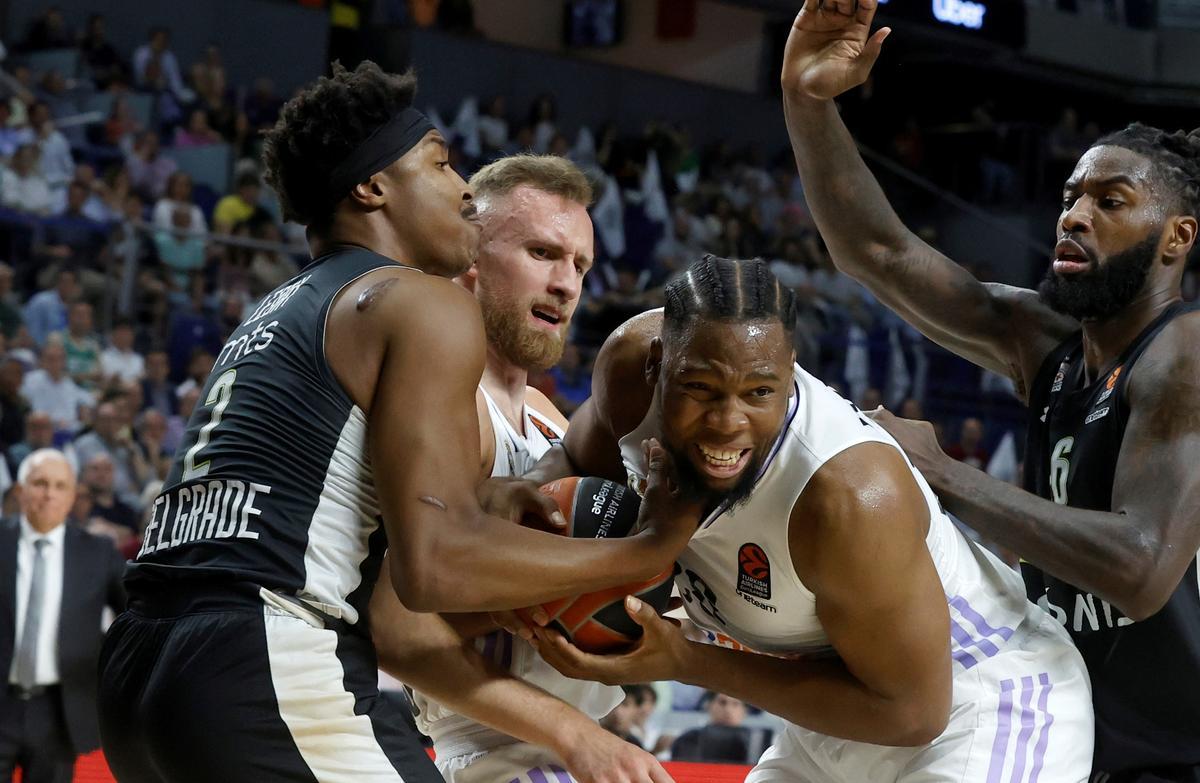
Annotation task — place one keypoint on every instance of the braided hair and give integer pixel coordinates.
(1175, 156)
(318, 128)
(726, 289)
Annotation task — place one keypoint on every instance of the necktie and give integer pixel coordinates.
(27, 650)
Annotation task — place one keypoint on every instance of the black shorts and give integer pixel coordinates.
(239, 688)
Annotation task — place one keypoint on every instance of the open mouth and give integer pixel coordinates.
(1070, 258)
(723, 462)
(549, 316)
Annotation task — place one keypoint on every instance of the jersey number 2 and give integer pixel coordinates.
(1060, 469)
(221, 393)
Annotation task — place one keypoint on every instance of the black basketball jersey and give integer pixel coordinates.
(1145, 675)
(272, 484)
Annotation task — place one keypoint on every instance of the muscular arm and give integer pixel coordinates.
(995, 326)
(423, 439)
(857, 536)
(1135, 556)
(424, 651)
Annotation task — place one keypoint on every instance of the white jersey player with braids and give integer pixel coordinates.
(495, 710)
(829, 585)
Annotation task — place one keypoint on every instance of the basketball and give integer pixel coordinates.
(597, 622)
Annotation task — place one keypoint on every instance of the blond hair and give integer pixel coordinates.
(550, 173)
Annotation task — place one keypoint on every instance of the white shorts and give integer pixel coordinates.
(1022, 716)
(519, 762)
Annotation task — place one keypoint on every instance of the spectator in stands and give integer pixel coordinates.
(543, 114)
(158, 393)
(151, 432)
(111, 516)
(122, 127)
(969, 448)
(48, 31)
(104, 64)
(50, 390)
(96, 203)
(23, 186)
(239, 205)
(39, 434)
(644, 728)
(180, 250)
(108, 436)
(149, 169)
(177, 423)
(54, 91)
(493, 127)
(11, 136)
(82, 347)
(262, 105)
(46, 312)
(723, 740)
(199, 366)
(56, 163)
(620, 721)
(119, 361)
(197, 132)
(14, 408)
(155, 68)
(268, 269)
(10, 310)
(71, 235)
(81, 509)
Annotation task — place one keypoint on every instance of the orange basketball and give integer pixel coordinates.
(597, 622)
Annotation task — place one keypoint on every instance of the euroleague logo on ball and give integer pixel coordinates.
(754, 572)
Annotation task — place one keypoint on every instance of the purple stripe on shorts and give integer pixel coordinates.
(1039, 750)
(560, 773)
(1003, 729)
(506, 650)
(976, 619)
(515, 780)
(964, 640)
(489, 646)
(536, 776)
(1022, 748)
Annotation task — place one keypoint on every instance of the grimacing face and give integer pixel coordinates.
(534, 251)
(725, 392)
(1111, 232)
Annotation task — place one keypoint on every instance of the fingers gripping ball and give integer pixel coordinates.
(597, 622)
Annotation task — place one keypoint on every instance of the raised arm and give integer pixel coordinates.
(423, 440)
(873, 579)
(999, 327)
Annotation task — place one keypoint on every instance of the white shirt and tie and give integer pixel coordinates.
(49, 599)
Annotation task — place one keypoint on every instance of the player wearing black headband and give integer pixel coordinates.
(339, 420)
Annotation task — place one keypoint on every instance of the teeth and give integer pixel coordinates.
(723, 457)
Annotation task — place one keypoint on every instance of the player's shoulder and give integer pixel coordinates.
(628, 346)
(1168, 371)
(868, 479)
(539, 404)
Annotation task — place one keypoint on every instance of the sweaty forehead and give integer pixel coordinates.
(528, 212)
(742, 346)
(1100, 164)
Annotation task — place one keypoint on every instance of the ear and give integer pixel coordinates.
(370, 194)
(654, 361)
(1180, 239)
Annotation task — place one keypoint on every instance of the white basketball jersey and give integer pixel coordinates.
(453, 734)
(737, 577)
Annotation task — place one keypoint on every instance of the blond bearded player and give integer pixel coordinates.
(468, 676)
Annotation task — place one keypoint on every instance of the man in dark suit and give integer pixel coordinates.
(55, 581)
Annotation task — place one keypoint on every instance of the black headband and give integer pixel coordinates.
(381, 149)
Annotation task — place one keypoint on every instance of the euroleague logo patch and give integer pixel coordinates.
(754, 572)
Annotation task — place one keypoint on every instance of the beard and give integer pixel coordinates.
(692, 482)
(525, 346)
(1105, 289)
